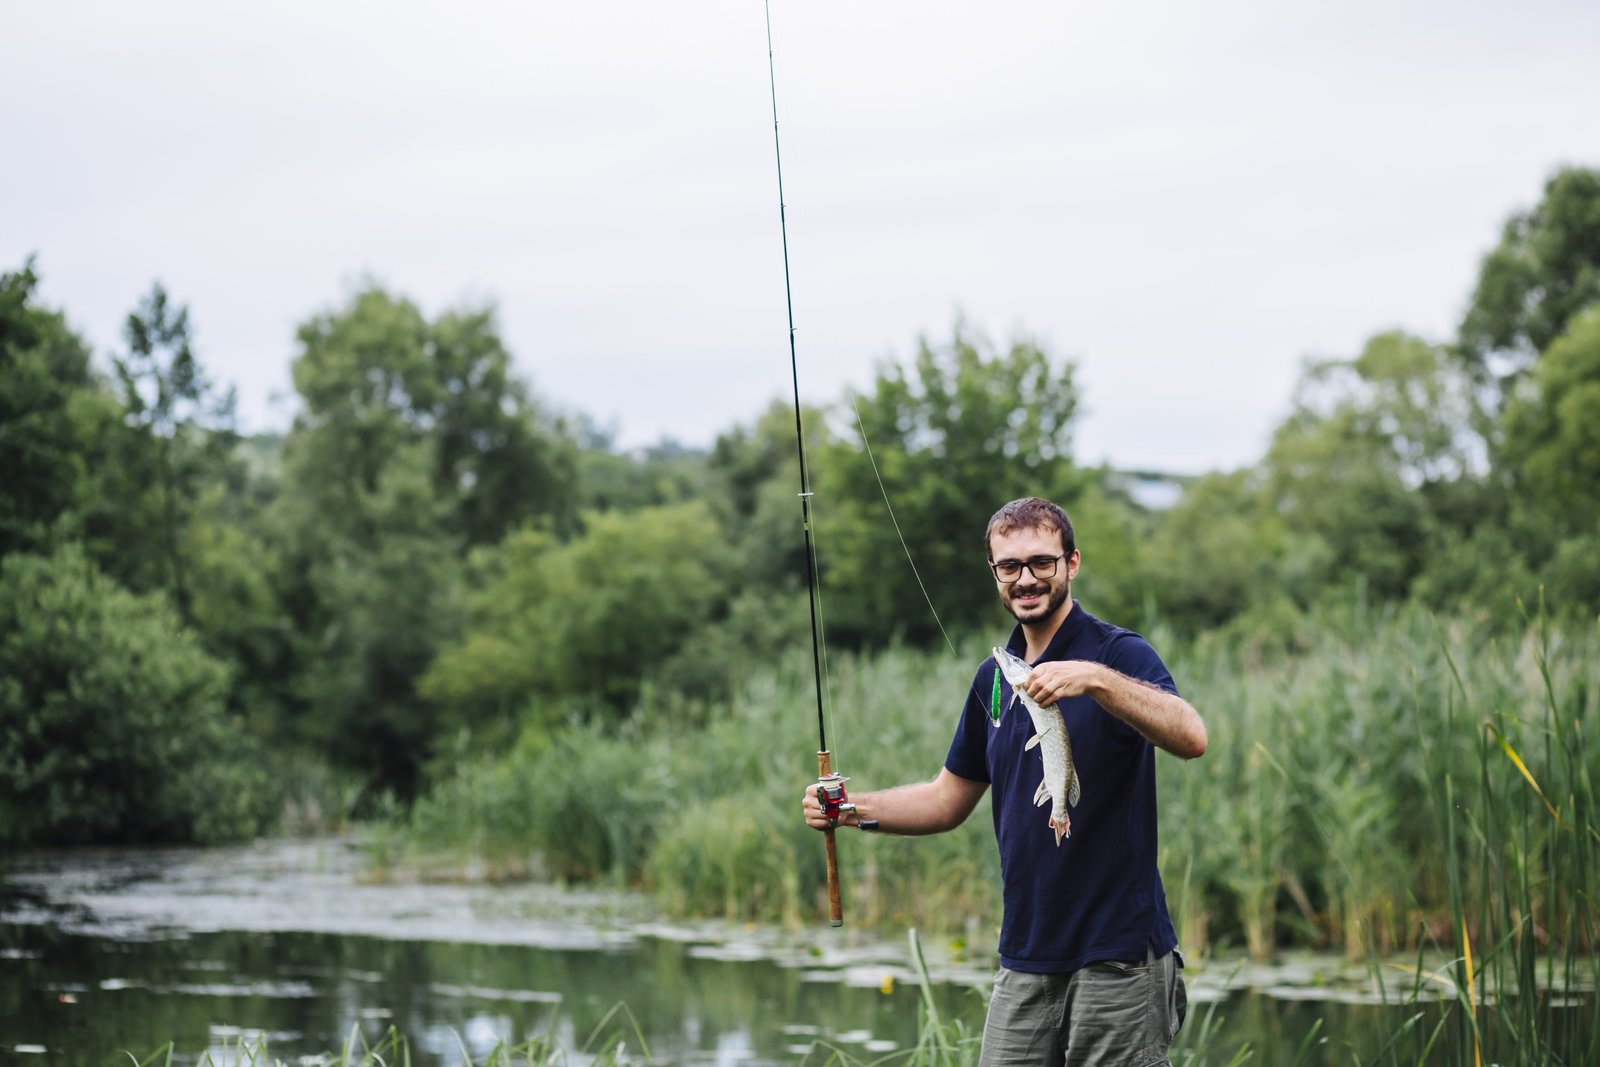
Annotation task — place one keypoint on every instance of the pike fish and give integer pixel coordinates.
(1061, 785)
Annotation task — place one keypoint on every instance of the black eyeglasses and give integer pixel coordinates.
(1009, 570)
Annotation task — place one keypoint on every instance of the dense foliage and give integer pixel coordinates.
(112, 722)
(433, 580)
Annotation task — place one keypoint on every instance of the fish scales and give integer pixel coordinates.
(1061, 785)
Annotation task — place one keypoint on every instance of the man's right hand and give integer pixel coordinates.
(922, 808)
(811, 807)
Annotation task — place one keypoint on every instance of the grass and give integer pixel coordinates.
(607, 1046)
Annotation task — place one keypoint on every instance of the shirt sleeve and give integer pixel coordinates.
(969, 751)
(1128, 653)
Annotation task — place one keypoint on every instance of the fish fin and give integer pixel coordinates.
(1075, 789)
(1033, 742)
(1040, 795)
(1062, 829)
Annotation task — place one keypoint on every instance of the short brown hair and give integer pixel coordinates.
(1030, 513)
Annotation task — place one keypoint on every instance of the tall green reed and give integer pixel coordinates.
(1317, 818)
(1524, 898)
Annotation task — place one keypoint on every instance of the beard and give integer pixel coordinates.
(1054, 597)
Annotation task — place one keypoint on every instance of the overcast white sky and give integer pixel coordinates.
(1185, 199)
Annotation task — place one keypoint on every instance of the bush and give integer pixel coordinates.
(112, 722)
(581, 804)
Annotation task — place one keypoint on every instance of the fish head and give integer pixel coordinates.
(1013, 666)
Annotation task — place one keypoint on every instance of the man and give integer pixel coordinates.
(1089, 969)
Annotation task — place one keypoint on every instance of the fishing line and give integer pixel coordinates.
(994, 699)
(862, 427)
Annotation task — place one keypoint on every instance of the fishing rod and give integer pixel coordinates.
(830, 785)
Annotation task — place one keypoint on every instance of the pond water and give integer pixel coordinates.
(107, 951)
(111, 950)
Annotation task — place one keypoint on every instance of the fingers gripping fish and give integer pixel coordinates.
(1061, 785)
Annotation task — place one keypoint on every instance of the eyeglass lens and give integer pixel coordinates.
(1009, 570)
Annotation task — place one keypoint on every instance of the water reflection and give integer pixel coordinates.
(103, 952)
(307, 992)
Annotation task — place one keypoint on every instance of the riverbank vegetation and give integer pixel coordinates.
(1318, 818)
(440, 605)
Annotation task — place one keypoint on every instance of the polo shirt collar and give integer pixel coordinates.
(1068, 632)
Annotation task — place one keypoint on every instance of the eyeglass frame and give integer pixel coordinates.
(1027, 564)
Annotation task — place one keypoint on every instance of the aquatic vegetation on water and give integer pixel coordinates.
(608, 1046)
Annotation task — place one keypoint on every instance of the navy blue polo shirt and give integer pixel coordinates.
(1098, 895)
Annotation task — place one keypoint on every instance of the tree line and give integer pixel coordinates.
(196, 625)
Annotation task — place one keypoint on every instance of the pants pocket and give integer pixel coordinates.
(1177, 997)
(1118, 966)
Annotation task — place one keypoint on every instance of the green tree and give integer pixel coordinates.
(575, 628)
(235, 570)
(664, 473)
(52, 410)
(376, 377)
(1361, 468)
(139, 472)
(754, 477)
(1217, 552)
(382, 603)
(1551, 456)
(746, 459)
(112, 722)
(1552, 428)
(953, 435)
(176, 437)
(1542, 274)
(414, 444)
(1114, 537)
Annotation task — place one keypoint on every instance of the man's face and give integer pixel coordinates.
(1030, 598)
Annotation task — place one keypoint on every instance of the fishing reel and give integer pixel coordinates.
(831, 795)
(836, 804)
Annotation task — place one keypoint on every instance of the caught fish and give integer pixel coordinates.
(1061, 785)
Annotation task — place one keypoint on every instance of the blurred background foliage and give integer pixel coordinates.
(438, 601)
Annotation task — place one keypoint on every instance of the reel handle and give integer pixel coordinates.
(831, 793)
